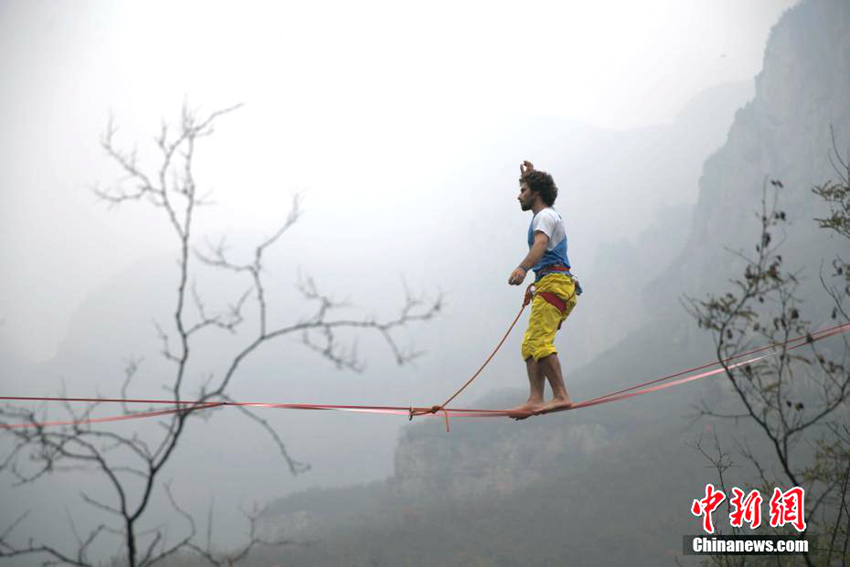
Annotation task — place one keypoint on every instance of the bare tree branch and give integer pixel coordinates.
(132, 465)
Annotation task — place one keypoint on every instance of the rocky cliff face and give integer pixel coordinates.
(784, 133)
(494, 464)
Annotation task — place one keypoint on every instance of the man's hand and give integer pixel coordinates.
(517, 276)
(525, 167)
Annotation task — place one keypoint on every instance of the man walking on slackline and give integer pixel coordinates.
(555, 291)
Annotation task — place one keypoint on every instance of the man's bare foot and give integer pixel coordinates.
(558, 404)
(526, 410)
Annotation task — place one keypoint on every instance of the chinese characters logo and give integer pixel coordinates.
(786, 508)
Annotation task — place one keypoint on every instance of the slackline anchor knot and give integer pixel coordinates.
(412, 412)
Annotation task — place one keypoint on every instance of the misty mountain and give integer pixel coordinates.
(612, 485)
(784, 133)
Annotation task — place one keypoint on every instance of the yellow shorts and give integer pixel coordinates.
(539, 339)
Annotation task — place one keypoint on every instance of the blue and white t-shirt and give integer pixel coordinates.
(549, 222)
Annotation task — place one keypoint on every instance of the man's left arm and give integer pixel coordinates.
(531, 259)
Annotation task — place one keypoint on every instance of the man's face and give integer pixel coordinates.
(526, 197)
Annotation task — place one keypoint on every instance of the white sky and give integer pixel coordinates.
(611, 63)
(332, 89)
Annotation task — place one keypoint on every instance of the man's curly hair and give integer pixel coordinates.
(542, 183)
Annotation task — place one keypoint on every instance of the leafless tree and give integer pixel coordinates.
(133, 466)
(798, 397)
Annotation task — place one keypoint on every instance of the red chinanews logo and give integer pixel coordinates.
(786, 507)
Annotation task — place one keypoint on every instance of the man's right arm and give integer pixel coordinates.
(531, 259)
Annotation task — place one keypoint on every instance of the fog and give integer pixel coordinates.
(333, 94)
(402, 128)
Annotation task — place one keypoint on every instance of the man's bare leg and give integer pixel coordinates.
(536, 383)
(550, 367)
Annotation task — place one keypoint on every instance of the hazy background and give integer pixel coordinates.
(403, 127)
(352, 104)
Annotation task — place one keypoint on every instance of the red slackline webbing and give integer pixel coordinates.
(124, 417)
(639, 389)
(792, 344)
